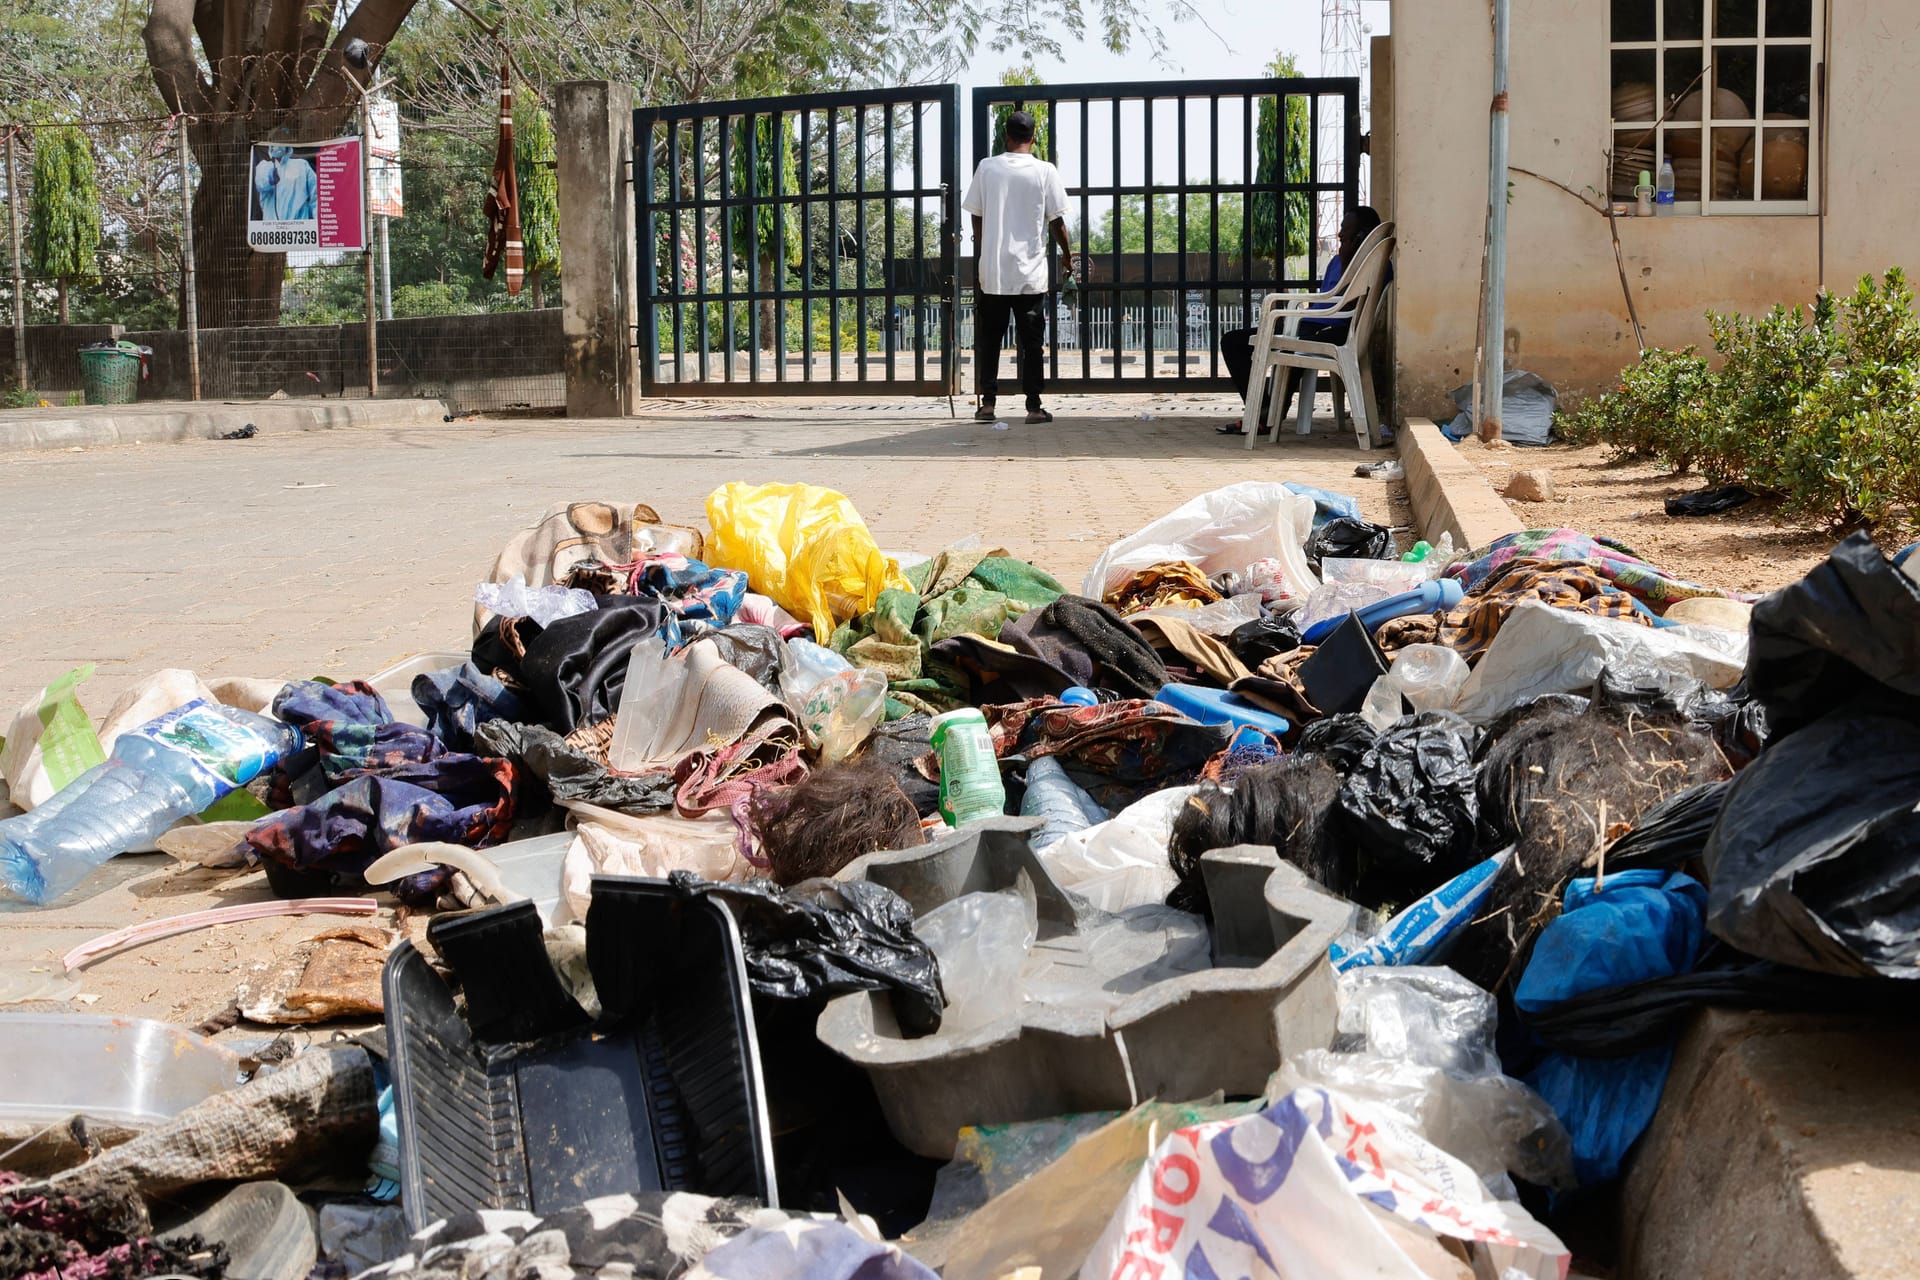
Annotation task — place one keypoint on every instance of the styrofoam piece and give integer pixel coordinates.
(395, 684)
(1269, 993)
(130, 1072)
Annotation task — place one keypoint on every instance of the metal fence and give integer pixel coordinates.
(173, 268)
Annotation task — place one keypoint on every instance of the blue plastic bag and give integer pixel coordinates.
(1637, 925)
(1326, 505)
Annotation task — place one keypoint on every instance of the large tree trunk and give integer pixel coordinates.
(767, 331)
(233, 286)
(60, 289)
(268, 64)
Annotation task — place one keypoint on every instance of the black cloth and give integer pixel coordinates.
(1028, 311)
(575, 669)
(1092, 644)
(1236, 348)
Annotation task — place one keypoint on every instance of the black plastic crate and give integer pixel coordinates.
(664, 1093)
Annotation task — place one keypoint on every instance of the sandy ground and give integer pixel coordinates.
(1747, 549)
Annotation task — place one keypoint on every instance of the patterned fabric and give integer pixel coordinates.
(698, 598)
(1469, 628)
(390, 785)
(957, 593)
(457, 701)
(1130, 741)
(1611, 561)
(1174, 582)
(727, 777)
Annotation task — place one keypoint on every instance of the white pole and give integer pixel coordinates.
(386, 272)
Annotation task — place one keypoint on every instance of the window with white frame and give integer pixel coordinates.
(1726, 90)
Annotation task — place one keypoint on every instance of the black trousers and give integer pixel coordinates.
(1236, 348)
(991, 311)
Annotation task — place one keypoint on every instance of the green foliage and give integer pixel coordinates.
(767, 230)
(533, 157)
(1042, 117)
(1202, 233)
(1820, 405)
(63, 207)
(1293, 149)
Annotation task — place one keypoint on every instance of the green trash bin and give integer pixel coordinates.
(110, 372)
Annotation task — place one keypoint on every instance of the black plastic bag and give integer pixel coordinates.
(1412, 807)
(1672, 833)
(1342, 740)
(1815, 861)
(1254, 642)
(1710, 502)
(828, 937)
(1848, 630)
(1343, 538)
(1642, 1015)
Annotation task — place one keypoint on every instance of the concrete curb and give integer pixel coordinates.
(1448, 493)
(164, 423)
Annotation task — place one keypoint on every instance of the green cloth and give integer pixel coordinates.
(955, 593)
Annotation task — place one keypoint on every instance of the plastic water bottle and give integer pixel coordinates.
(168, 769)
(970, 787)
(1059, 800)
(1663, 192)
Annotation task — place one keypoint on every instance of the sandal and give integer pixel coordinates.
(1038, 415)
(985, 413)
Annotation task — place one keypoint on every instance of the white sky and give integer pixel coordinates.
(1236, 39)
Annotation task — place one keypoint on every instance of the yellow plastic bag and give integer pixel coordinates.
(802, 546)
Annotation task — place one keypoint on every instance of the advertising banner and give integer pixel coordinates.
(305, 196)
(386, 199)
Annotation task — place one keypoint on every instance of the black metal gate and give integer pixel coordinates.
(775, 255)
(1226, 190)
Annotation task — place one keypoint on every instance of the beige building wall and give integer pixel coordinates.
(1566, 311)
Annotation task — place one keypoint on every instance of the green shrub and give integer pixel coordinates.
(1653, 414)
(1819, 404)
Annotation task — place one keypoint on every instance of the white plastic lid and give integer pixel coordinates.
(959, 715)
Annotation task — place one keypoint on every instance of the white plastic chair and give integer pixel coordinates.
(1277, 345)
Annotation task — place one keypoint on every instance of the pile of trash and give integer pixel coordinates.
(771, 905)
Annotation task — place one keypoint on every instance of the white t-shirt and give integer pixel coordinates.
(1017, 195)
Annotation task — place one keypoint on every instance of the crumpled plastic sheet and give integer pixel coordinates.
(545, 605)
(1542, 650)
(1412, 805)
(1421, 1040)
(1224, 530)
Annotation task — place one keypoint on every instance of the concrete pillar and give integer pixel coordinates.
(593, 133)
(1386, 366)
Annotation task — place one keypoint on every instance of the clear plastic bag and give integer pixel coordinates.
(1421, 1040)
(839, 712)
(545, 605)
(1221, 618)
(1337, 599)
(981, 941)
(1399, 575)
(806, 666)
(1428, 676)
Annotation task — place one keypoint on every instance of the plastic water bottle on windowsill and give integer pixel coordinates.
(1663, 191)
(166, 770)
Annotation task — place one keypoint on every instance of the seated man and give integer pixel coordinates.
(1236, 345)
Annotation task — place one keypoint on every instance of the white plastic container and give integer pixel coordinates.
(131, 1072)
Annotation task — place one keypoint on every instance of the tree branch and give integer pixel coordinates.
(168, 37)
(334, 89)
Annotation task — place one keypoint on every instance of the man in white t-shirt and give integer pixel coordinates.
(1016, 200)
